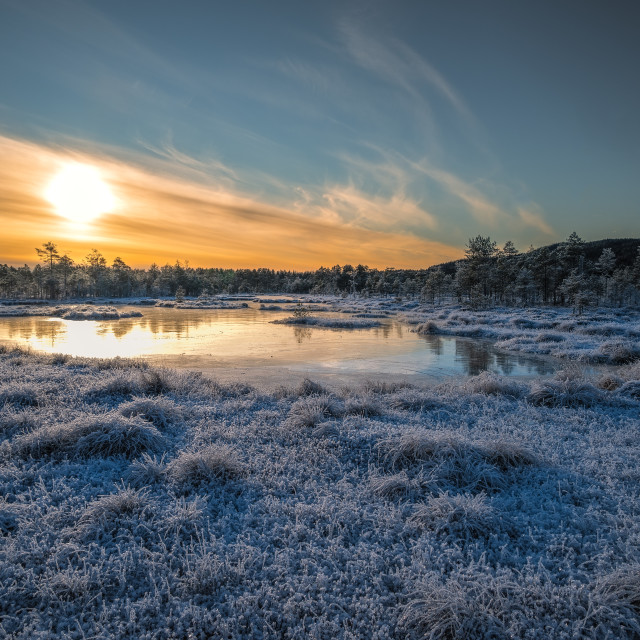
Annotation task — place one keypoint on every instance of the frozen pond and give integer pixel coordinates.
(246, 339)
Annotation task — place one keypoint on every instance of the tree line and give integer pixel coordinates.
(573, 272)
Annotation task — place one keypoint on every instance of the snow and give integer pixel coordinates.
(152, 503)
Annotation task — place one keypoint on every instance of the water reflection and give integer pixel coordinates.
(247, 338)
(302, 334)
(476, 356)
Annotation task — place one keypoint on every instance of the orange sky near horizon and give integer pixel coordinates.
(162, 217)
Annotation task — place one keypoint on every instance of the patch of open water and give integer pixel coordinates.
(246, 340)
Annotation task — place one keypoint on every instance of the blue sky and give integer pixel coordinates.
(299, 133)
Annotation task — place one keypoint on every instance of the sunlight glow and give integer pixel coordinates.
(79, 193)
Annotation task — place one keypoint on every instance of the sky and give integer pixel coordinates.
(304, 134)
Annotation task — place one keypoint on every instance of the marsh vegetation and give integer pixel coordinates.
(156, 503)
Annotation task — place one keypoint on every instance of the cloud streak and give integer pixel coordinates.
(163, 218)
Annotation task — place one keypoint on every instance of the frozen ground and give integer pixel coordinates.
(603, 336)
(142, 503)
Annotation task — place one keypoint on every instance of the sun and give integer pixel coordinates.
(79, 193)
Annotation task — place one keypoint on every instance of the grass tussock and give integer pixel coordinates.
(106, 435)
(630, 389)
(161, 412)
(445, 461)
(112, 507)
(462, 516)
(366, 406)
(410, 399)
(385, 387)
(146, 471)
(397, 485)
(309, 411)
(218, 462)
(428, 328)
(508, 455)
(488, 383)
(620, 352)
(452, 610)
(19, 394)
(566, 392)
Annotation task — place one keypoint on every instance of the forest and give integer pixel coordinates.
(570, 273)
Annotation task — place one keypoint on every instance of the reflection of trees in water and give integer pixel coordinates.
(115, 328)
(540, 367)
(120, 330)
(45, 330)
(301, 333)
(506, 363)
(177, 322)
(435, 343)
(476, 357)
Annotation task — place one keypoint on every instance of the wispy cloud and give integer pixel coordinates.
(479, 205)
(358, 209)
(164, 218)
(399, 65)
(533, 217)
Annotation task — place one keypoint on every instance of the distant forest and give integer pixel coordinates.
(573, 272)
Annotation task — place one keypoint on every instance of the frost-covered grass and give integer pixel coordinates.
(597, 336)
(331, 323)
(144, 503)
(69, 312)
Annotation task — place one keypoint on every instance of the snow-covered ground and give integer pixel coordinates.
(145, 503)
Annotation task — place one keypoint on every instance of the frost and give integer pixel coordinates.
(158, 504)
